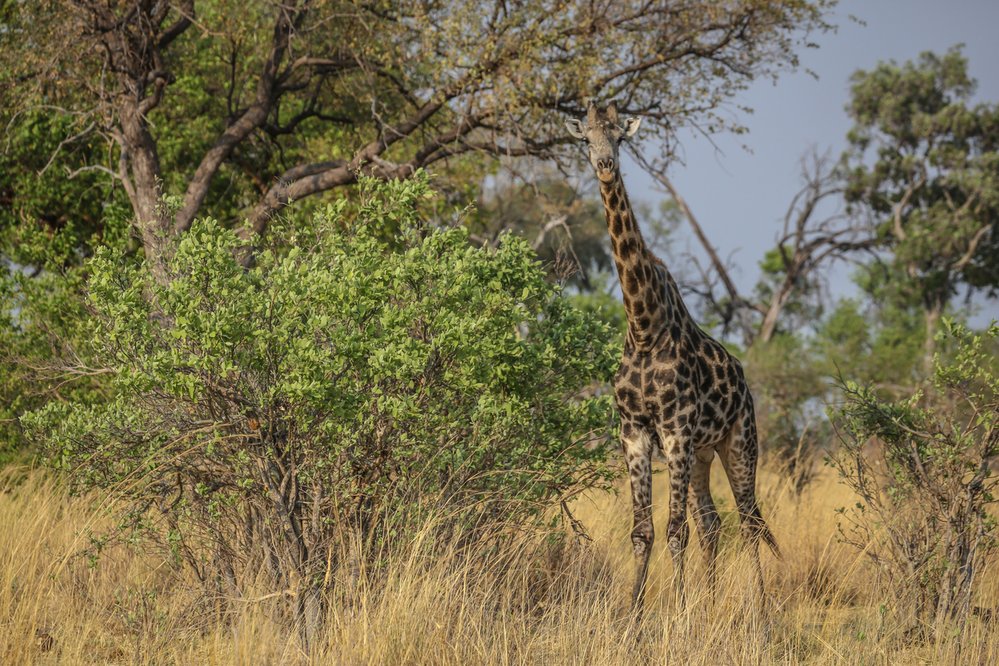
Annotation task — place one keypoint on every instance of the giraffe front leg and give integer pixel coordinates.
(678, 453)
(637, 445)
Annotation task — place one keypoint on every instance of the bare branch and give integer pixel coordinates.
(73, 173)
(973, 244)
(806, 242)
(238, 130)
(186, 11)
(68, 140)
(899, 208)
(735, 300)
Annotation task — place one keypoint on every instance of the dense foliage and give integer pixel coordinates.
(341, 385)
(212, 311)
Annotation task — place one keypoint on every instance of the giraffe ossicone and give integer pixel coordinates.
(678, 389)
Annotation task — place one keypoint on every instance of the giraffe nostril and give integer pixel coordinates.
(607, 164)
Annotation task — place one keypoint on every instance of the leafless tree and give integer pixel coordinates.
(811, 239)
(816, 232)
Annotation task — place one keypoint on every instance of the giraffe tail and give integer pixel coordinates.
(764, 533)
(769, 539)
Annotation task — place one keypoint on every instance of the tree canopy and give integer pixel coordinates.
(252, 105)
(925, 166)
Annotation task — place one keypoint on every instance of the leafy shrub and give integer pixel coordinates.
(43, 313)
(921, 468)
(337, 390)
(41, 319)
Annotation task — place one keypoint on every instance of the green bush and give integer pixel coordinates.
(922, 468)
(44, 331)
(342, 386)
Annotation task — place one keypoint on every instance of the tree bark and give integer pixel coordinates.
(777, 303)
(145, 189)
(932, 313)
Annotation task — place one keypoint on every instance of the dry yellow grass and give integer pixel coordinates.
(544, 607)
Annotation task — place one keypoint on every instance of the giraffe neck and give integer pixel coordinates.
(651, 300)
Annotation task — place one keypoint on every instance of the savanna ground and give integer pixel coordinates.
(533, 603)
(334, 345)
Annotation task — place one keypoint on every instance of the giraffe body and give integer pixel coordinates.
(678, 389)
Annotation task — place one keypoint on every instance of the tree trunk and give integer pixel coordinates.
(769, 325)
(932, 313)
(145, 190)
(310, 614)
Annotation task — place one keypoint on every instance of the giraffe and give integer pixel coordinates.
(677, 389)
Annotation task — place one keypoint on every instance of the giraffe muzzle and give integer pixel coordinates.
(605, 165)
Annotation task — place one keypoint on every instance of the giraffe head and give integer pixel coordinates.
(602, 134)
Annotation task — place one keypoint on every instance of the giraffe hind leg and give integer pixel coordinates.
(702, 508)
(739, 454)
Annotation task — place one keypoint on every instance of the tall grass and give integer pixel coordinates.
(533, 602)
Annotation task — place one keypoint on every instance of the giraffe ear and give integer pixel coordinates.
(631, 126)
(575, 128)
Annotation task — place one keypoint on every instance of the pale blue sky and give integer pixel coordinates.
(740, 195)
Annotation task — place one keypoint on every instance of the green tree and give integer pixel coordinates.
(54, 208)
(877, 344)
(925, 165)
(788, 389)
(41, 319)
(338, 389)
(251, 105)
(125, 120)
